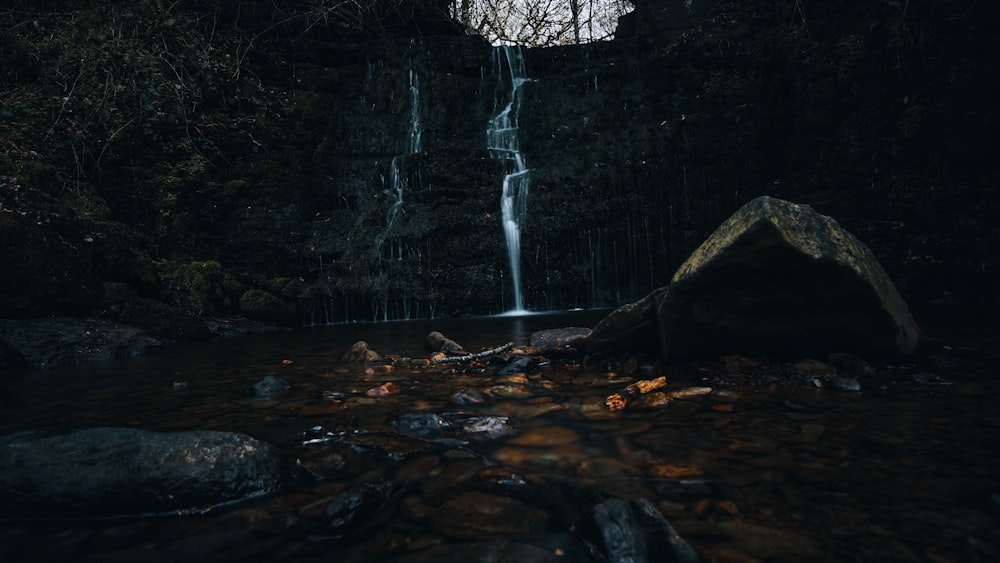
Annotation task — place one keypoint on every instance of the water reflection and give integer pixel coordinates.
(775, 470)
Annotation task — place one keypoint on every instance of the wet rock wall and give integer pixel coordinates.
(276, 180)
(640, 147)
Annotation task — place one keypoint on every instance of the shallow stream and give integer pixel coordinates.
(766, 467)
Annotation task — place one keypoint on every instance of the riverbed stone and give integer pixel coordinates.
(479, 516)
(437, 342)
(360, 353)
(776, 277)
(633, 530)
(116, 471)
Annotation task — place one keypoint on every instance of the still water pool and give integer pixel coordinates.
(766, 467)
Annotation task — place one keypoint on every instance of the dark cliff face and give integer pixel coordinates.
(277, 172)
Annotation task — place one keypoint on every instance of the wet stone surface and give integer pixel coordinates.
(731, 459)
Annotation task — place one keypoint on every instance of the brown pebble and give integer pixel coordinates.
(546, 436)
(701, 507)
(383, 390)
(727, 506)
(668, 471)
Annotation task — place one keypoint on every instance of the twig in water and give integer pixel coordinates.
(476, 356)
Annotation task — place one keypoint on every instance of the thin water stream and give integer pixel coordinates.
(766, 467)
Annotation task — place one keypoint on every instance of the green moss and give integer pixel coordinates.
(261, 305)
(232, 289)
(202, 283)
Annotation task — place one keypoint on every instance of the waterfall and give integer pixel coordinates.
(396, 186)
(397, 183)
(503, 143)
(416, 128)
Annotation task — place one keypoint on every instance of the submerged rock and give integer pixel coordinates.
(633, 531)
(776, 277)
(359, 509)
(420, 424)
(479, 516)
(113, 471)
(490, 426)
(269, 387)
(468, 396)
(518, 364)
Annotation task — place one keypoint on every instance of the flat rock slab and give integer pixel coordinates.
(123, 471)
(60, 341)
(776, 278)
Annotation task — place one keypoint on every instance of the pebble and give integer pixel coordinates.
(545, 436)
(508, 391)
(814, 368)
(689, 392)
(491, 426)
(522, 412)
(468, 396)
(668, 471)
(383, 390)
(419, 424)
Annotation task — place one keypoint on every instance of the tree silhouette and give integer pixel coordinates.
(540, 22)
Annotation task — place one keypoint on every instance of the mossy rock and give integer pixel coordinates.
(117, 294)
(263, 306)
(203, 282)
(164, 321)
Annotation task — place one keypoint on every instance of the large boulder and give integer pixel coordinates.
(118, 471)
(777, 278)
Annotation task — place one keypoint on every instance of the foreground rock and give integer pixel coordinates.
(629, 531)
(776, 277)
(111, 471)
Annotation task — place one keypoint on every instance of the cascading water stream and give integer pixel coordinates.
(416, 127)
(502, 142)
(397, 183)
